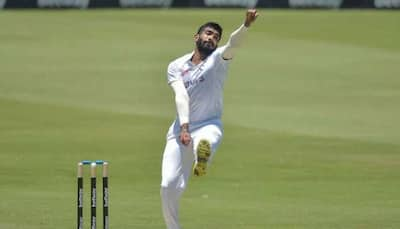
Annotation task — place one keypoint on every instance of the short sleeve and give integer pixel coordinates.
(173, 73)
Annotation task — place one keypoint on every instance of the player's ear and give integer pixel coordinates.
(196, 37)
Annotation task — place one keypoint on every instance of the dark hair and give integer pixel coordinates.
(213, 25)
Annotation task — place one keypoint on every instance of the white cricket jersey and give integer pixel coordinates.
(204, 83)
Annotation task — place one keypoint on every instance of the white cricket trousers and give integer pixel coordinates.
(177, 166)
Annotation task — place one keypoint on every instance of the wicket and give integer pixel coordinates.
(93, 165)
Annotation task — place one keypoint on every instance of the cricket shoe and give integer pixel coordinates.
(203, 154)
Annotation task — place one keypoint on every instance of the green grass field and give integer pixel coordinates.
(312, 108)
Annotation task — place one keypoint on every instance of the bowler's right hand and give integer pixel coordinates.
(184, 136)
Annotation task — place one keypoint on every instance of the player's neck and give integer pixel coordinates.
(198, 57)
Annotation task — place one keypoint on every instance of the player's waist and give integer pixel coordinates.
(174, 129)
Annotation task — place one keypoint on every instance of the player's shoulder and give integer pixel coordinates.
(217, 54)
(180, 60)
(219, 50)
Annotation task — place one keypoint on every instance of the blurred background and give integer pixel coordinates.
(311, 116)
(388, 4)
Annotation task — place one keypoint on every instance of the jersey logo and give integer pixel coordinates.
(192, 83)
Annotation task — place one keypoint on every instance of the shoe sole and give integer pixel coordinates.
(203, 154)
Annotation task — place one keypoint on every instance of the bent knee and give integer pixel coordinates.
(172, 185)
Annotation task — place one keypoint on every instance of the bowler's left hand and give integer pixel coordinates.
(251, 16)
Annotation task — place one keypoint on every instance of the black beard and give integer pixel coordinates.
(204, 49)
